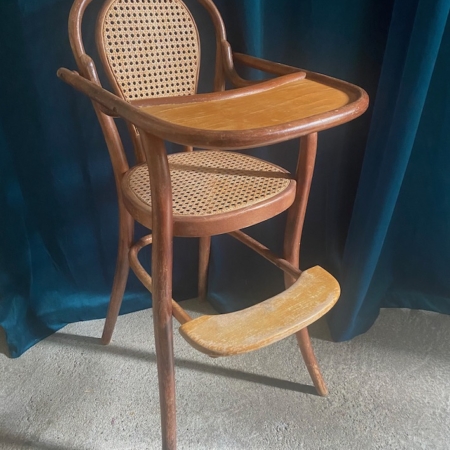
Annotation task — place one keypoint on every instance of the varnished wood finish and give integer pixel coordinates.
(177, 311)
(126, 231)
(297, 103)
(75, 35)
(203, 263)
(281, 263)
(126, 222)
(311, 296)
(297, 212)
(162, 256)
(264, 65)
(229, 69)
(119, 162)
(275, 106)
(212, 97)
(293, 233)
(304, 342)
(223, 139)
(219, 85)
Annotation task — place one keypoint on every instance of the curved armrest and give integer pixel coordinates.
(280, 69)
(112, 105)
(276, 110)
(230, 57)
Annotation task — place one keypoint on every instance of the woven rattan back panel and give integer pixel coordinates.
(151, 47)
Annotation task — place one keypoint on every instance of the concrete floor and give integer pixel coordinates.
(389, 389)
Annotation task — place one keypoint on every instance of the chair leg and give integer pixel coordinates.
(162, 265)
(126, 229)
(292, 237)
(304, 342)
(203, 264)
(162, 320)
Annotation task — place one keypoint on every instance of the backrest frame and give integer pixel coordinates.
(87, 69)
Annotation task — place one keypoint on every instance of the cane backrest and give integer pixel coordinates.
(150, 48)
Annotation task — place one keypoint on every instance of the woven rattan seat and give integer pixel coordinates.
(214, 184)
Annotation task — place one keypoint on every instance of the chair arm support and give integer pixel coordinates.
(229, 69)
(265, 65)
(90, 72)
(229, 58)
(110, 103)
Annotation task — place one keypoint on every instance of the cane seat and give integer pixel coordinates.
(212, 185)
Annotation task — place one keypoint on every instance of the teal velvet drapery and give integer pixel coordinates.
(58, 228)
(396, 252)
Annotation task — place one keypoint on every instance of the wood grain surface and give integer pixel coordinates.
(274, 106)
(309, 298)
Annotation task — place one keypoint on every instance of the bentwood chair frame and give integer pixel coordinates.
(125, 56)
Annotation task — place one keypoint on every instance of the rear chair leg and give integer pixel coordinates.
(203, 264)
(126, 229)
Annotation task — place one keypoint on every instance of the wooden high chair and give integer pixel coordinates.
(150, 51)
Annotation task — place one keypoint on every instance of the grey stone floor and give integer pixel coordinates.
(389, 389)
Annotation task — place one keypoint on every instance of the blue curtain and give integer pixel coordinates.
(58, 228)
(396, 253)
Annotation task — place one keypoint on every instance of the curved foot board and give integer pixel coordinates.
(309, 298)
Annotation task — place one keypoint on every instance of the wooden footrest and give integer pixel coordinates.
(308, 299)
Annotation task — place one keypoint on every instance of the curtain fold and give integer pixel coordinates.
(58, 227)
(413, 47)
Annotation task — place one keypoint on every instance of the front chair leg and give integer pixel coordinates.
(162, 321)
(304, 342)
(162, 264)
(293, 234)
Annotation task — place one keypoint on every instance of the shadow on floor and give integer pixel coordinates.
(22, 442)
(319, 330)
(93, 344)
(3, 345)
